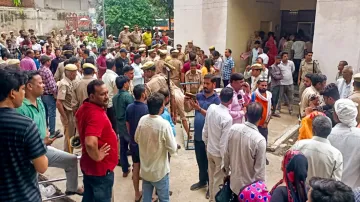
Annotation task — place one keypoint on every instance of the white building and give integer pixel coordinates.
(334, 25)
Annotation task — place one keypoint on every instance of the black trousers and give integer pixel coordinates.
(110, 112)
(297, 63)
(98, 188)
(202, 161)
(264, 132)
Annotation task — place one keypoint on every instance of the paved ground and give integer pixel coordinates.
(184, 171)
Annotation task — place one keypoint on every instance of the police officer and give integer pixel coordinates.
(63, 104)
(355, 96)
(177, 64)
(181, 55)
(124, 36)
(159, 65)
(159, 81)
(80, 88)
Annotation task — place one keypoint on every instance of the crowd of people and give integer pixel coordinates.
(126, 97)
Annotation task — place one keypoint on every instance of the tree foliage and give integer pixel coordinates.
(127, 12)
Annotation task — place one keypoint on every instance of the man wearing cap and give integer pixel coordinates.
(124, 36)
(80, 87)
(50, 91)
(54, 40)
(152, 56)
(211, 50)
(60, 38)
(175, 62)
(110, 43)
(136, 37)
(255, 72)
(72, 38)
(193, 76)
(121, 61)
(159, 81)
(181, 55)
(64, 105)
(355, 96)
(190, 47)
(159, 65)
(346, 137)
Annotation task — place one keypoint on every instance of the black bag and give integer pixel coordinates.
(225, 193)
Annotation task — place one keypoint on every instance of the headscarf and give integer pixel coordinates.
(255, 192)
(305, 130)
(294, 167)
(346, 111)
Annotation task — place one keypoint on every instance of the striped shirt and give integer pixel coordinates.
(19, 144)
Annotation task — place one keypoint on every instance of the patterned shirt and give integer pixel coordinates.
(227, 68)
(27, 64)
(48, 80)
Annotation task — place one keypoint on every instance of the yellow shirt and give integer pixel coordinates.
(147, 39)
(204, 71)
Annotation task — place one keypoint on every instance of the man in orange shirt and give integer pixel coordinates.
(262, 96)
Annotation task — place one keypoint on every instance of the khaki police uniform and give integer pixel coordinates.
(308, 68)
(136, 38)
(65, 93)
(124, 37)
(59, 74)
(197, 77)
(175, 73)
(355, 96)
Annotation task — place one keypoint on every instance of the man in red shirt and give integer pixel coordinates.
(186, 67)
(99, 144)
(101, 62)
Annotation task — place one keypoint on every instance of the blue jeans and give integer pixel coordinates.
(162, 189)
(98, 188)
(50, 103)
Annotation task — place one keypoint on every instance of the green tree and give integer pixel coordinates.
(119, 13)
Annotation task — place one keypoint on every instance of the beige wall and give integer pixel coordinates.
(298, 5)
(336, 35)
(202, 21)
(244, 17)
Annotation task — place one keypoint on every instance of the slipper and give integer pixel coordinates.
(139, 199)
(73, 193)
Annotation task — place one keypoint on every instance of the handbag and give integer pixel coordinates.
(225, 193)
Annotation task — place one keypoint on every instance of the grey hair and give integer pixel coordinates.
(350, 68)
(321, 126)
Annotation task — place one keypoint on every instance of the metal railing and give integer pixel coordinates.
(57, 180)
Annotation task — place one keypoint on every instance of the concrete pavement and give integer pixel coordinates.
(184, 171)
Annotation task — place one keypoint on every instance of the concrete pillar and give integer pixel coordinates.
(337, 31)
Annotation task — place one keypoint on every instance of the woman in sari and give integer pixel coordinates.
(292, 187)
(273, 51)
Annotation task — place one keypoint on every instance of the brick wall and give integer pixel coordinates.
(24, 3)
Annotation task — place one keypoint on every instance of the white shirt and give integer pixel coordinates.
(324, 160)
(109, 79)
(19, 39)
(298, 47)
(155, 139)
(287, 70)
(347, 141)
(245, 155)
(36, 47)
(138, 74)
(345, 90)
(265, 58)
(216, 129)
(110, 56)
